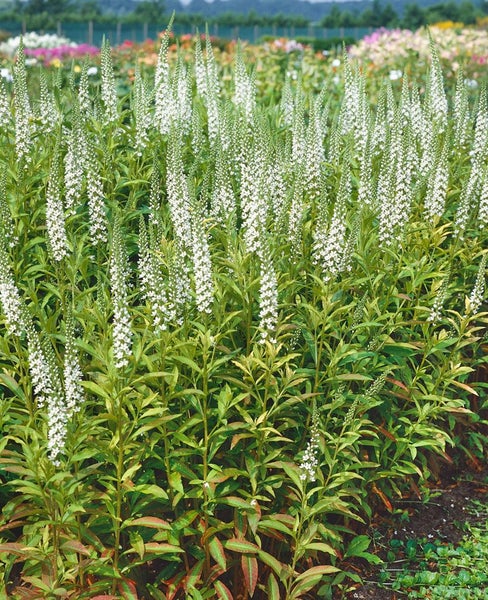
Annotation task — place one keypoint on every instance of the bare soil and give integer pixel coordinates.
(440, 518)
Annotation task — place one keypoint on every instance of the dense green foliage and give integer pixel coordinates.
(233, 321)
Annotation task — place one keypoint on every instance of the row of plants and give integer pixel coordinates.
(234, 321)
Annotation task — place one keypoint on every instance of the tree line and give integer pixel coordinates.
(39, 14)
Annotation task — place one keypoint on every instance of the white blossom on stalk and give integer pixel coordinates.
(287, 104)
(155, 196)
(461, 112)
(208, 87)
(309, 463)
(395, 203)
(23, 113)
(96, 203)
(84, 100)
(48, 393)
(200, 70)
(296, 214)
(437, 100)
(483, 206)
(479, 153)
(6, 221)
(5, 112)
(48, 113)
(55, 218)
(153, 284)
(244, 93)
(477, 296)
(351, 103)
(253, 206)
(108, 89)
(379, 132)
(222, 200)
(418, 120)
(435, 197)
(178, 194)
(277, 189)
(468, 200)
(330, 239)
(75, 163)
(179, 285)
(182, 98)
(10, 296)
(299, 150)
(143, 116)
(268, 295)
(440, 297)
(163, 95)
(202, 267)
(73, 390)
(314, 181)
(119, 273)
(365, 185)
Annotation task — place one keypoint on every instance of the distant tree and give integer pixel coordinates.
(89, 9)
(413, 17)
(50, 7)
(389, 16)
(333, 19)
(348, 19)
(150, 10)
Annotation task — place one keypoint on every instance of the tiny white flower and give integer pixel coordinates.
(336, 62)
(395, 74)
(91, 71)
(6, 74)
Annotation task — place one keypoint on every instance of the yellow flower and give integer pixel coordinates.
(55, 63)
(77, 69)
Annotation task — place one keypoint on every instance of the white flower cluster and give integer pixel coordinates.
(143, 115)
(96, 200)
(48, 392)
(477, 296)
(74, 394)
(23, 114)
(122, 332)
(202, 267)
(310, 462)
(153, 284)
(55, 218)
(32, 39)
(244, 94)
(10, 297)
(108, 90)
(440, 297)
(268, 298)
(329, 249)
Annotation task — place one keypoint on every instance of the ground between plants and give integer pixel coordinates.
(439, 518)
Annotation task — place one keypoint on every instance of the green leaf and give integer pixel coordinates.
(217, 552)
(128, 590)
(359, 544)
(158, 548)
(321, 547)
(273, 588)
(250, 570)
(75, 546)
(153, 522)
(310, 578)
(272, 562)
(238, 545)
(222, 591)
(150, 490)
